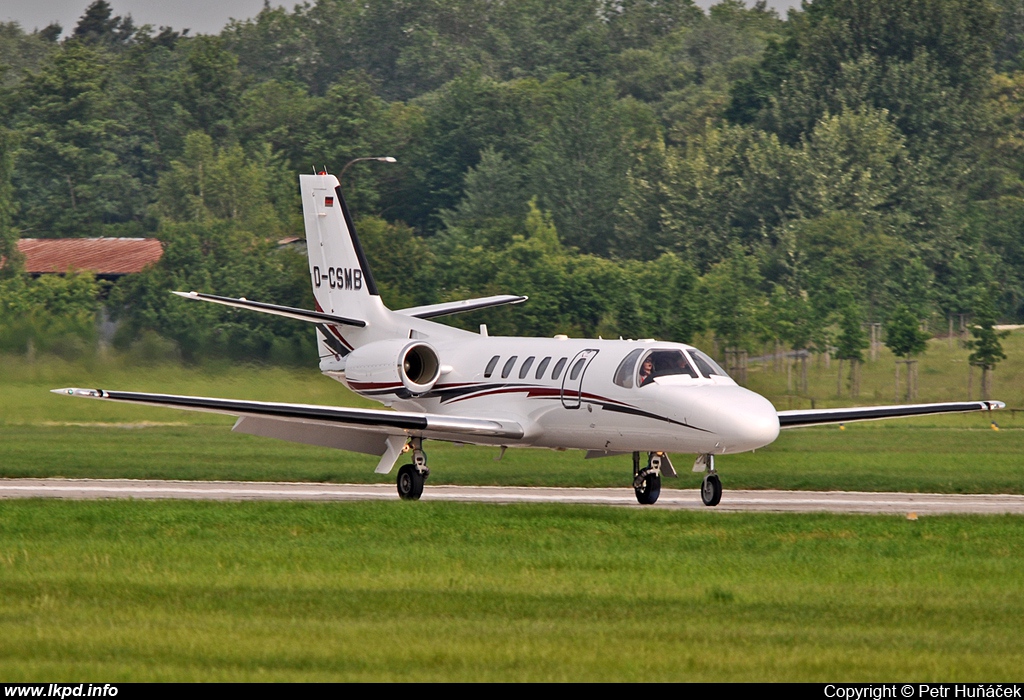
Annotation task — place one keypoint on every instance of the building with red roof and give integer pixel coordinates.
(107, 258)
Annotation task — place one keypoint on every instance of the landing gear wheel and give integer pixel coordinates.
(711, 490)
(647, 486)
(410, 483)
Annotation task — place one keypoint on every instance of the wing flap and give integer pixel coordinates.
(333, 436)
(825, 416)
(365, 419)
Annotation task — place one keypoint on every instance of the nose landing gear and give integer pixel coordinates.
(711, 487)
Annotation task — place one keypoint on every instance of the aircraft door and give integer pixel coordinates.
(572, 381)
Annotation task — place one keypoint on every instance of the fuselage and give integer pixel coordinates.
(591, 394)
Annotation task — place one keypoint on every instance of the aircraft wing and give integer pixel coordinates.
(824, 416)
(388, 423)
(458, 307)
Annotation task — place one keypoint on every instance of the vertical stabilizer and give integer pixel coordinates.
(342, 281)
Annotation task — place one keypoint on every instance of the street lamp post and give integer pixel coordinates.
(382, 159)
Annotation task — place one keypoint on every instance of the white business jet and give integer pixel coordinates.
(607, 397)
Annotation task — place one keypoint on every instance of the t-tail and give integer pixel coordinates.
(343, 284)
(349, 312)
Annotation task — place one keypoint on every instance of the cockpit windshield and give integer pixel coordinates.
(706, 365)
(663, 363)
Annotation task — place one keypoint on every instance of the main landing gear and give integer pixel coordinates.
(412, 476)
(711, 487)
(647, 481)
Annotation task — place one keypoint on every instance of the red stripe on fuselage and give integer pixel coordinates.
(538, 392)
(333, 330)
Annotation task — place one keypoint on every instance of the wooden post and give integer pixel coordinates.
(876, 340)
(839, 377)
(896, 395)
(803, 373)
(789, 375)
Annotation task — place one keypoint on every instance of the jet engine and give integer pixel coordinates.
(385, 363)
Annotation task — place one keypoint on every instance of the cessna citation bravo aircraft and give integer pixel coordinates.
(608, 397)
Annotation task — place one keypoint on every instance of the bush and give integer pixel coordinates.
(55, 312)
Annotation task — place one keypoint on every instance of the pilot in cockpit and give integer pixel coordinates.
(646, 375)
(662, 363)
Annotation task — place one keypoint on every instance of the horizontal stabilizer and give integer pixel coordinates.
(430, 425)
(458, 307)
(824, 416)
(286, 311)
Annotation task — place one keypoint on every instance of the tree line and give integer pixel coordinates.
(638, 167)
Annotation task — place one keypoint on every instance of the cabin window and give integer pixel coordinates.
(525, 369)
(707, 366)
(557, 371)
(663, 363)
(507, 369)
(577, 368)
(490, 367)
(542, 366)
(624, 374)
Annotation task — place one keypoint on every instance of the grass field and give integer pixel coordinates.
(113, 591)
(108, 591)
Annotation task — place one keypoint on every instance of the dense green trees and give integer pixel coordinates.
(639, 167)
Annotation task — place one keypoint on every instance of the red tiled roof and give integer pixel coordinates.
(104, 256)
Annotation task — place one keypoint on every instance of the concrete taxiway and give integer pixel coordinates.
(681, 499)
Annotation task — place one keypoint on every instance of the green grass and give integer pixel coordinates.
(118, 591)
(948, 459)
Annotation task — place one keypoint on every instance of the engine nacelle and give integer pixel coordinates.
(385, 363)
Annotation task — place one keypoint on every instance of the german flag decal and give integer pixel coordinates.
(328, 201)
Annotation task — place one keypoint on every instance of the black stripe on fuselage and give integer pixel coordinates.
(645, 414)
(332, 341)
(603, 403)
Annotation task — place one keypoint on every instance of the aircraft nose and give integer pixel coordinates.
(746, 420)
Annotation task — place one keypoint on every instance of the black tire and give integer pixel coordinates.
(410, 483)
(649, 489)
(711, 490)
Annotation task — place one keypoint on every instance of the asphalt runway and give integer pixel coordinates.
(681, 499)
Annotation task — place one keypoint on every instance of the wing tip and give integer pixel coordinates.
(86, 393)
